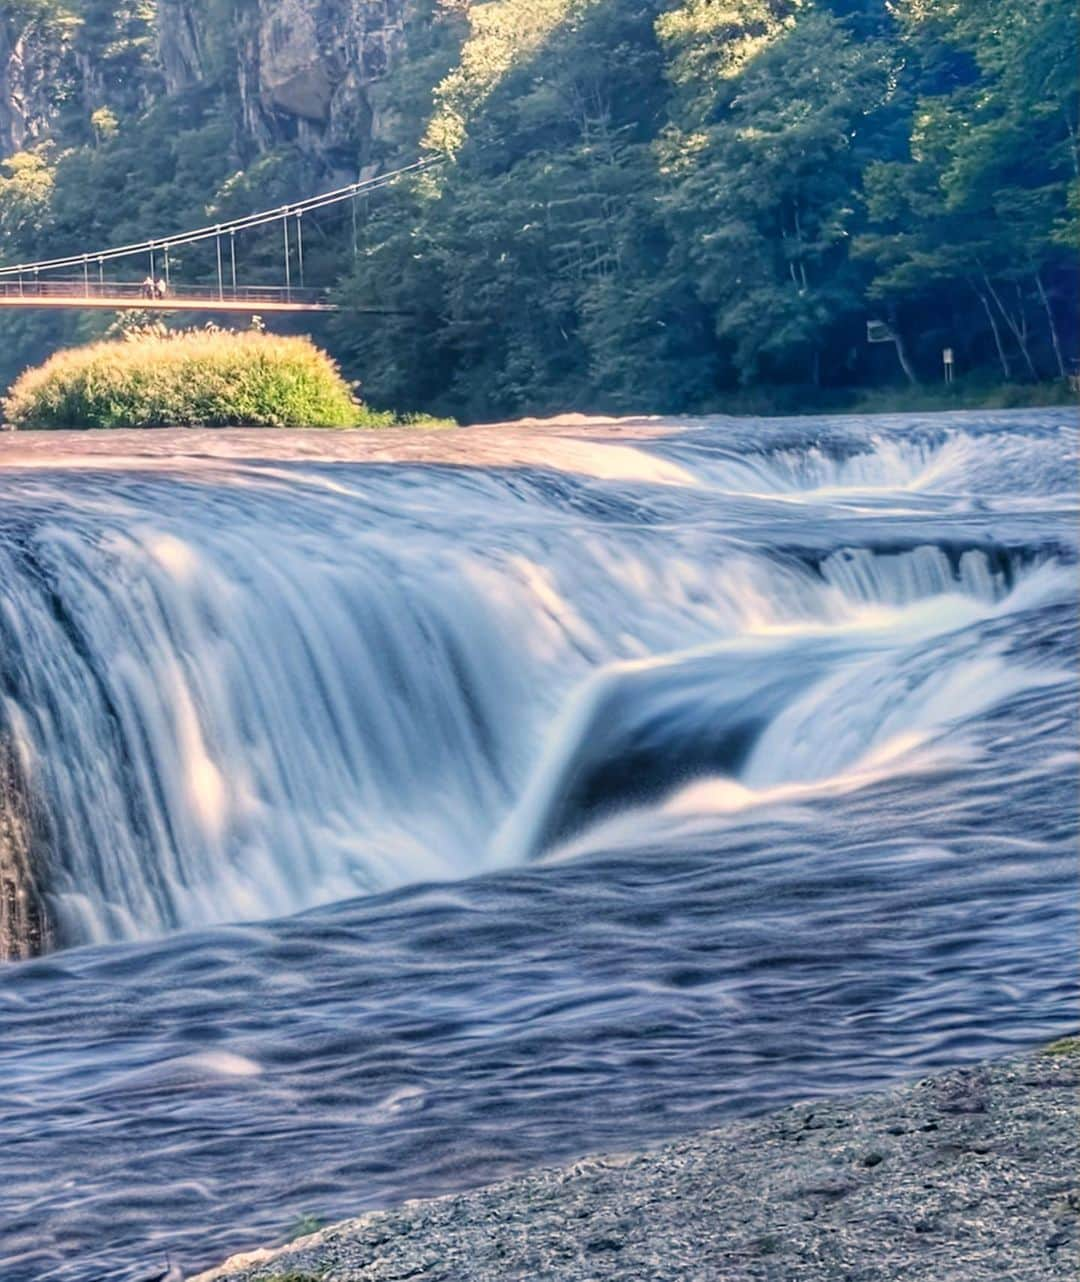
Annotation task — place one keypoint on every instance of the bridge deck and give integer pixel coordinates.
(192, 303)
(127, 296)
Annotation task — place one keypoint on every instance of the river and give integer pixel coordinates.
(391, 812)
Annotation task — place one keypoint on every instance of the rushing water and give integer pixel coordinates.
(401, 811)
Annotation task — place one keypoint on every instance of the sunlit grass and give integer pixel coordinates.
(190, 378)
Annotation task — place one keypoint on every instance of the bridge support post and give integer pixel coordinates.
(288, 274)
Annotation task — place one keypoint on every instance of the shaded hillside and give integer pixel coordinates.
(648, 205)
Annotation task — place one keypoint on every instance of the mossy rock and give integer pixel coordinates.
(1063, 1046)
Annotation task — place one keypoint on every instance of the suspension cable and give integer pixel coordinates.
(246, 223)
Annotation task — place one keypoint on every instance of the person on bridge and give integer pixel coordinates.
(160, 289)
(148, 287)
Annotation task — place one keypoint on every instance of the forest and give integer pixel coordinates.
(644, 206)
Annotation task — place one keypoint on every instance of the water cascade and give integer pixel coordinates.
(239, 694)
(473, 800)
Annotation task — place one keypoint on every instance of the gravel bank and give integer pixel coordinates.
(967, 1176)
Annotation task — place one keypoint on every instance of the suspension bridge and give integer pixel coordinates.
(149, 275)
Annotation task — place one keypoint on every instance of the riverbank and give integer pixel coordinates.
(965, 394)
(969, 1176)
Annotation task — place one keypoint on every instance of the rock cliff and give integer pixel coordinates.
(303, 71)
(31, 49)
(308, 71)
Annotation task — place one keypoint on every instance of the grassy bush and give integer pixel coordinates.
(190, 378)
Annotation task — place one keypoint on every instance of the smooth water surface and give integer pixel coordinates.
(402, 811)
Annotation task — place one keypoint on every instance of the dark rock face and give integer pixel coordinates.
(181, 47)
(307, 71)
(24, 929)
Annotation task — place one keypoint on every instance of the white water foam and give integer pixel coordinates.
(250, 689)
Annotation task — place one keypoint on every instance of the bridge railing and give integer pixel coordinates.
(129, 291)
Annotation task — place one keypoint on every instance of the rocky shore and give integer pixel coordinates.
(969, 1176)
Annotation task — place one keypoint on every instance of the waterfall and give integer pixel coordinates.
(248, 685)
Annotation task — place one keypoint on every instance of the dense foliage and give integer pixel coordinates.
(647, 204)
(189, 378)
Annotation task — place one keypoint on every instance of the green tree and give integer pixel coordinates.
(763, 166)
(646, 204)
(104, 123)
(982, 203)
(27, 184)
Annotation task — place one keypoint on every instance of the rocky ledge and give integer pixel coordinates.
(967, 1176)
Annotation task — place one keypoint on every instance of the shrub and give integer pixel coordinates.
(189, 378)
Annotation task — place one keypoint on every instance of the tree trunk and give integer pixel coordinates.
(1022, 333)
(1074, 149)
(902, 356)
(799, 242)
(1019, 328)
(1051, 322)
(1002, 355)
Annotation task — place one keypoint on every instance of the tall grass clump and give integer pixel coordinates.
(188, 378)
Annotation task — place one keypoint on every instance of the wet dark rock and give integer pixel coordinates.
(25, 929)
